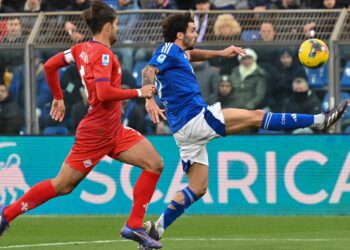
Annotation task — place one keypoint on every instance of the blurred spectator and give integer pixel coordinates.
(14, 30)
(286, 4)
(33, 6)
(286, 71)
(55, 5)
(225, 4)
(11, 115)
(310, 29)
(70, 27)
(17, 5)
(160, 4)
(248, 81)
(78, 5)
(202, 21)
(4, 8)
(127, 5)
(327, 4)
(186, 4)
(71, 83)
(44, 96)
(79, 110)
(302, 101)
(226, 26)
(330, 4)
(259, 5)
(267, 32)
(241, 4)
(225, 93)
(208, 80)
(72, 30)
(12, 58)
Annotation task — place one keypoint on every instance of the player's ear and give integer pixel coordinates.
(180, 35)
(108, 26)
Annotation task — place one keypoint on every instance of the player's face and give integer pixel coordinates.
(190, 37)
(114, 30)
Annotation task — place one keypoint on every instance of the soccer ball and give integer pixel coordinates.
(313, 53)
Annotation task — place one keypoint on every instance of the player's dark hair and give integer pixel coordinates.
(175, 23)
(98, 15)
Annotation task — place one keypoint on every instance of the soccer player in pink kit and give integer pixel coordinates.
(100, 133)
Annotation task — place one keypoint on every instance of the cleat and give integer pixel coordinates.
(139, 235)
(154, 230)
(3, 222)
(333, 115)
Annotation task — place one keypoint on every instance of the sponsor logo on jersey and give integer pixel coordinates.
(161, 58)
(87, 163)
(105, 59)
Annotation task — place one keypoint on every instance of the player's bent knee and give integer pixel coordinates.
(200, 191)
(157, 166)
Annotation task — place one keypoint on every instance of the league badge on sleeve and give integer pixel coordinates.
(105, 59)
(161, 58)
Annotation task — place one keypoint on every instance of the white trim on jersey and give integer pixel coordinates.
(166, 48)
(68, 56)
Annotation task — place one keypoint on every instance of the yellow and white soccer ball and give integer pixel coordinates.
(313, 53)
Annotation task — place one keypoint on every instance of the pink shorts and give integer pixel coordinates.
(87, 152)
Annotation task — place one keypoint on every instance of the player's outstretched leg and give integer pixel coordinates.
(237, 120)
(332, 116)
(139, 235)
(3, 222)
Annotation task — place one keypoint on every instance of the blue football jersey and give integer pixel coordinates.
(177, 85)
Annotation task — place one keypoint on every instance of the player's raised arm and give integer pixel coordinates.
(148, 78)
(196, 55)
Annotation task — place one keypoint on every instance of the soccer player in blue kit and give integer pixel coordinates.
(193, 122)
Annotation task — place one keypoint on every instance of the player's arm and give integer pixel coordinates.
(148, 79)
(51, 68)
(196, 55)
(102, 70)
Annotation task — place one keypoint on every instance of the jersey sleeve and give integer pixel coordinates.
(162, 59)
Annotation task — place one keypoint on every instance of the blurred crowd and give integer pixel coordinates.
(8, 6)
(266, 78)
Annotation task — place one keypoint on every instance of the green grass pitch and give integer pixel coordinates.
(190, 232)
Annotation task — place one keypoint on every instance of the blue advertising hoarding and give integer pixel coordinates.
(251, 175)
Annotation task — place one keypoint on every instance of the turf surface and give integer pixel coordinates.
(191, 232)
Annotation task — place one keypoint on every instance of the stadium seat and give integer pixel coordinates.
(250, 35)
(345, 79)
(317, 78)
(56, 130)
(137, 72)
(111, 3)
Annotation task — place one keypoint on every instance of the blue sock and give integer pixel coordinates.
(170, 215)
(284, 121)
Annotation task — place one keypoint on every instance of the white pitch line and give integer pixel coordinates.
(169, 239)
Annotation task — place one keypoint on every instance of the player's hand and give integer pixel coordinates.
(233, 51)
(147, 91)
(154, 111)
(57, 110)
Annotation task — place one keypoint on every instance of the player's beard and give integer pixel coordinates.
(113, 39)
(189, 43)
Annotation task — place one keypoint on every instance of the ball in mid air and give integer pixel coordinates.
(313, 53)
